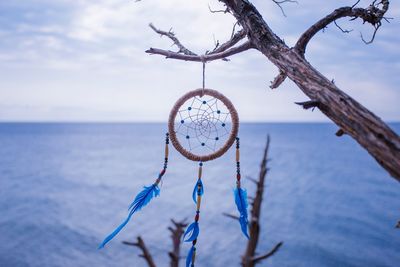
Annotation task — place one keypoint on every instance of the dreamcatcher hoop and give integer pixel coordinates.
(234, 128)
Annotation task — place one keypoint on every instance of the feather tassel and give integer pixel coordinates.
(189, 257)
(192, 231)
(197, 191)
(241, 204)
(141, 200)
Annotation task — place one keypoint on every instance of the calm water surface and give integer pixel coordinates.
(63, 187)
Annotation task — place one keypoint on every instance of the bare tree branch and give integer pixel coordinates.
(146, 254)
(230, 216)
(249, 259)
(176, 235)
(234, 40)
(206, 58)
(268, 254)
(373, 14)
(279, 79)
(308, 104)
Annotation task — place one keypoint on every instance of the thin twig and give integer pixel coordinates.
(279, 4)
(268, 254)
(226, 10)
(171, 35)
(340, 28)
(230, 216)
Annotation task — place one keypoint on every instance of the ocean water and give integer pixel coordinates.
(64, 187)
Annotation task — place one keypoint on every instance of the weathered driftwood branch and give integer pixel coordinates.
(145, 251)
(357, 121)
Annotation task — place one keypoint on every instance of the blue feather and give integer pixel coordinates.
(189, 257)
(141, 200)
(193, 231)
(195, 190)
(241, 204)
(243, 225)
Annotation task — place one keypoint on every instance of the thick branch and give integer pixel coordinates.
(146, 254)
(357, 121)
(373, 15)
(210, 57)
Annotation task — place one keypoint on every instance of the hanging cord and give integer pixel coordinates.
(202, 58)
(193, 230)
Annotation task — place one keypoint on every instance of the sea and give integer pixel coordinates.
(65, 186)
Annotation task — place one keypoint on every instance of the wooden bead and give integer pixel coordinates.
(200, 171)
(166, 151)
(198, 202)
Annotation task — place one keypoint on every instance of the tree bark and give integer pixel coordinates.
(353, 118)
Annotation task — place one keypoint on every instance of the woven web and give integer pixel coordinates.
(203, 125)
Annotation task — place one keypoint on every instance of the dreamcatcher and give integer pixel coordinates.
(202, 126)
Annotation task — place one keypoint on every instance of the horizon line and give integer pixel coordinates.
(151, 122)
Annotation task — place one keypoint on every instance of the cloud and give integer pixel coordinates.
(88, 56)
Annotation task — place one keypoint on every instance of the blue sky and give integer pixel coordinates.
(84, 60)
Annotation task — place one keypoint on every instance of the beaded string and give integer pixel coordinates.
(197, 217)
(238, 163)
(166, 153)
(193, 229)
(241, 194)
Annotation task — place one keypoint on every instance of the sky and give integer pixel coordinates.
(84, 60)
